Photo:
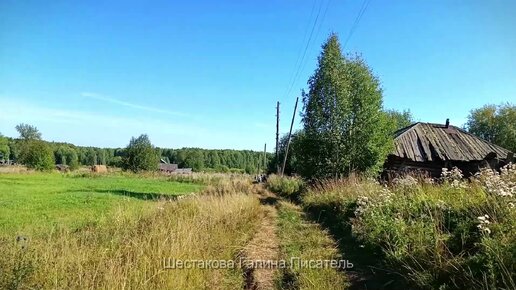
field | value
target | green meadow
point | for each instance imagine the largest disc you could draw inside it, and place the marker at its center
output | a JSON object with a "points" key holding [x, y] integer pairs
{"points": [[35, 203]]}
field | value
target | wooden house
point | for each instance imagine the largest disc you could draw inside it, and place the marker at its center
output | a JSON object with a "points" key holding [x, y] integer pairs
{"points": [[169, 168], [427, 148]]}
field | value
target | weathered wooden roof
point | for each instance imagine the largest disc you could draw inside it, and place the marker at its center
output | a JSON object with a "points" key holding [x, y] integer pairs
{"points": [[430, 142]]}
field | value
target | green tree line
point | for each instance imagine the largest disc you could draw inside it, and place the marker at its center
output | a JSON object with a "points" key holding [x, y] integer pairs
{"points": [[30, 148]]}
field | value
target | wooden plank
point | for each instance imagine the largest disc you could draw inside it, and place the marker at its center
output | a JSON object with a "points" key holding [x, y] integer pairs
{"points": [[430, 142], [424, 143]]}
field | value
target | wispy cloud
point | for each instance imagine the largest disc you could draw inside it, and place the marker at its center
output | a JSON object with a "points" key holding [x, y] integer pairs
{"points": [[89, 128], [92, 128], [111, 100]]}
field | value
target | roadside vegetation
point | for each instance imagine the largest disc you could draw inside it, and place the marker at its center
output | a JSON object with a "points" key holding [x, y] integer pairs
{"points": [[455, 234], [305, 240], [285, 186]]}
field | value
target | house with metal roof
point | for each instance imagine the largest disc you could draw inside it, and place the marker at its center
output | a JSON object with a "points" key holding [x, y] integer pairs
{"points": [[428, 148]]}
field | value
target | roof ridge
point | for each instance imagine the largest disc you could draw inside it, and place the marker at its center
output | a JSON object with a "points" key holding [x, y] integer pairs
{"points": [[403, 130]]}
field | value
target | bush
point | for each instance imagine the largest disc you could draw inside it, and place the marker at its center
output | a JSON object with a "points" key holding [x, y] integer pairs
{"points": [[290, 187], [140, 155], [37, 154], [115, 161]]}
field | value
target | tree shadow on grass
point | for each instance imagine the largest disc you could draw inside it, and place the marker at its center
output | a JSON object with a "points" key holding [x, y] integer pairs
{"points": [[139, 195], [367, 272], [268, 200], [134, 194]]}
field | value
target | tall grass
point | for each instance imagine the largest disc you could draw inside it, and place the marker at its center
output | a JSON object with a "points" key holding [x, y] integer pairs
{"points": [[453, 234], [127, 251], [302, 239], [289, 187]]}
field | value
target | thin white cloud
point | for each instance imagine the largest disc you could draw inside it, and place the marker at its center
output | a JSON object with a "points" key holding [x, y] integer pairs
{"points": [[111, 100], [88, 128]]}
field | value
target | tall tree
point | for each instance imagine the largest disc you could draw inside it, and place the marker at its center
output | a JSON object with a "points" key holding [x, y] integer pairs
{"points": [[399, 119], [28, 132], [90, 157], [345, 127], [5, 150], [66, 155], [496, 124], [140, 155]]}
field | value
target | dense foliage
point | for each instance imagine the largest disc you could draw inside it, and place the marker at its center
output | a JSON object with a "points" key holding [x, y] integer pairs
{"points": [[450, 234], [37, 154], [496, 124], [294, 165], [399, 120], [217, 160], [5, 150], [345, 127], [140, 155], [66, 155]]}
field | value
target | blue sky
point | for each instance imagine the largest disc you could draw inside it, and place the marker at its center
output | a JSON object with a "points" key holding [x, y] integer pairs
{"points": [[208, 73]]}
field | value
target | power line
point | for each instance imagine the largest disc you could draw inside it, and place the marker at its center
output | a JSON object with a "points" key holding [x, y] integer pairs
{"points": [[318, 29], [361, 12], [300, 64], [291, 79]]}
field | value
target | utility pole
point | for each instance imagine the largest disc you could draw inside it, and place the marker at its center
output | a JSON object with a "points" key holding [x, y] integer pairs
{"points": [[289, 136], [277, 138]]}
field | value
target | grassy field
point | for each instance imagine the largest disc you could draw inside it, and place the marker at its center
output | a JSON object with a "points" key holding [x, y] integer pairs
{"points": [[35, 203], [114, 231]]}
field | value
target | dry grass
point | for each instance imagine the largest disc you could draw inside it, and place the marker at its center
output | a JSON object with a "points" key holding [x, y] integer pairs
{"points": [[13, 169], [128, 251]]}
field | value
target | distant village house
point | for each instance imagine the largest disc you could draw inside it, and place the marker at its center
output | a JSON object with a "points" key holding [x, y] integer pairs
{"points": [[166, 167]]}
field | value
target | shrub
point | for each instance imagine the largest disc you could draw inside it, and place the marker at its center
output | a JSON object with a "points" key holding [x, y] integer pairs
{"points": [[37, 154], [290, 187]]}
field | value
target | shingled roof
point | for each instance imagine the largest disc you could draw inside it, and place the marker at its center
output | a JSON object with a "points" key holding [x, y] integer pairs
{"points": [[430, 142]]}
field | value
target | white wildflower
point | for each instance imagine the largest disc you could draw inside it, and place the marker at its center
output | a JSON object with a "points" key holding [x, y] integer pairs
{"points": [[483, 223], [454, 177], [406, 181], [451, 175], [362, 205], [501, 184]]}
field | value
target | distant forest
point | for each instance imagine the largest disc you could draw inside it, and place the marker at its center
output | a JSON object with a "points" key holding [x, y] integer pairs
{"points": [[196, 158]]}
